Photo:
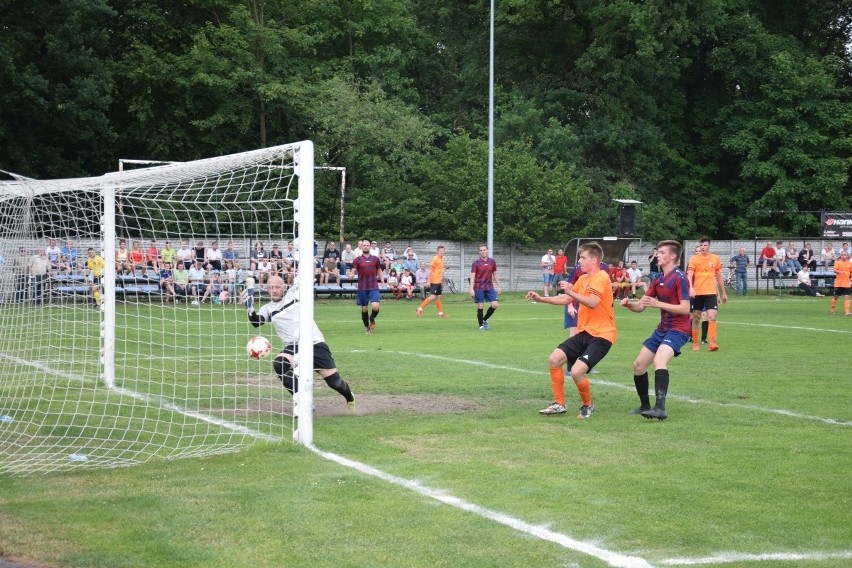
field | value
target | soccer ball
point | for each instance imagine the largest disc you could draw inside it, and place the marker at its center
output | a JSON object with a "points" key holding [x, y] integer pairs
{"points": [[258, 347]]}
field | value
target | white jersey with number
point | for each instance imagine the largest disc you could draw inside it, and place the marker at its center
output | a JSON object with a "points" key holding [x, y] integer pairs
{"points": [[284, 316]]}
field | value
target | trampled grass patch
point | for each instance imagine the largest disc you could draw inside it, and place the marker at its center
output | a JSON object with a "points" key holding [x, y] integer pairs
{"points": [[754, 459]]}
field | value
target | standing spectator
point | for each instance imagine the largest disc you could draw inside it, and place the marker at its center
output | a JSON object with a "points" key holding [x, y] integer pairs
{"points": [[828, 255], [230, 253], [653, 265], [54, 255], [484, 286], [670, 294], [283, 313], [215, 256], [347, 257], [806, 256], [406, 282], [168, 254], [167, 281], [230, 280], [547, 263], [792, 258], [634, 278], [122, 259], [199, 253], [38, 268], [436, 280], [842, 278], [388, 255], [183, 255], [421, 276], [152, 256], [804, 278], [69, 256], [95, 266], [595, 335], [20, 270], [739, 264], [559, 269], [369, 270], [704, 274], [137, 258], [767, 258]]}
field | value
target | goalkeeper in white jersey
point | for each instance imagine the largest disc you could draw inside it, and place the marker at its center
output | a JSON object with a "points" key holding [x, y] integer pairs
{"points": [[283, 312]]}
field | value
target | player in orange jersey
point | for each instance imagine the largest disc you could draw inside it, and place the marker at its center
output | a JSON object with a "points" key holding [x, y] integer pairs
{"points": [[595, 330], [704, 274], [436, 280], [842, 281]]}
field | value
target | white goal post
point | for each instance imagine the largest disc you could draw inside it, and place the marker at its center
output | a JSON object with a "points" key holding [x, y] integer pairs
{"points": [[130, 367]]}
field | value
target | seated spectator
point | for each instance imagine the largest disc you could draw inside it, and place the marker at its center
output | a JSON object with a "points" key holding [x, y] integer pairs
{"points": [[828, 255], [781, 258], [766, 259], [152, 256], [806, 256], [329, 269], [375, 250], [54, 256], [257, 254], [168, 254], [276, 257], [792, 258], [197, 283], [618, 278], [167, 281], [410, 261], [229, 282], [393, 284], [122, 259], [137, 259], [388, 255], [199, 253], [421, 276], [634, 278], [844, 248], [214, 286], [180, 282], [804, 278], [406, 282], [347, 258], [68, 258], [183, 255], [265, 269], [332, 252], [230, 253], [215, 256]]}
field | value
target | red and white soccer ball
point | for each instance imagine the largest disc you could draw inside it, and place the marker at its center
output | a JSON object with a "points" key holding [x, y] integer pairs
{"points": [[258, 347]]}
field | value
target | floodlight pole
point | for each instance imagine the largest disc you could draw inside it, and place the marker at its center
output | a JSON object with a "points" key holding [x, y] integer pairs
{"points": [[490, 222]]}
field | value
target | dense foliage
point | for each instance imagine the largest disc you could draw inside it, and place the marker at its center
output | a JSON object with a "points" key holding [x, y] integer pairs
{"points": [[717, 114]]}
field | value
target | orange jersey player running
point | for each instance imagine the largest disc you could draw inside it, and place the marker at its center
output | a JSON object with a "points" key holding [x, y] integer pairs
{"points": [[842, 281], [436, 280], [595, 335], [704, 275]]}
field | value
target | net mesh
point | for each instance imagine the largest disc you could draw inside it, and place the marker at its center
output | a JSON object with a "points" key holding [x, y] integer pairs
{"points": [[182, 384]]}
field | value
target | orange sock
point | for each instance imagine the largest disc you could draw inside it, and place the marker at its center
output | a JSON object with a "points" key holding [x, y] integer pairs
{"points": [[440, 305], [585, 390], [425, 303], [695, 336], [846, 305], [557, 383], [833, 304], [711, 331]]}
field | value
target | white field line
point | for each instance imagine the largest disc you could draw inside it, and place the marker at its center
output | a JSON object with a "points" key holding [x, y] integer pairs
{"points": [[731, 557], [611, 558], [780, 326], [779, 411]]}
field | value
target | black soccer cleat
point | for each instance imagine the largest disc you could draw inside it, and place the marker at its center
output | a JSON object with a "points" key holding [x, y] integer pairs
{"points": [[639, 410], [657, 413]]}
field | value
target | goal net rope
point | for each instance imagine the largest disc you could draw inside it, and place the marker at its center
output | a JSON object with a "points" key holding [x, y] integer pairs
{"points": [[112, 366]]}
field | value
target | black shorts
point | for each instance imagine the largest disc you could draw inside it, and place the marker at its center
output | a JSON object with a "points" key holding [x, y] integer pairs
{"points": [[842, 292], [323, 360], [705, 302], [587, 347], [436, 289]]}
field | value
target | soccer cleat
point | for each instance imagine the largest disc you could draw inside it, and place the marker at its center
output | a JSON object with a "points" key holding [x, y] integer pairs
{"points": [[350, 407], [657, 413], [486, 325], [712, 347], [586, 411], [703, 342], [482, 327], [639, 410], [420, 312], [442, 315], [696, 347], [367, 330], [554, 408]]}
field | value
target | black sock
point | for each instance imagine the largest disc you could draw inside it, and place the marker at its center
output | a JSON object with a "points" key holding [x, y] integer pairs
{"points": [[641, 382], [373, 315], [479, 315], [366, 319], [704, 326], [336, 382], [661, 387], [489, 313]]}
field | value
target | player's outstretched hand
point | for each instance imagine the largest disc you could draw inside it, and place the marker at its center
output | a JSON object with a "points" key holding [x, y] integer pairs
{"points": [[533, 296], [246, 299], [624, 301]]}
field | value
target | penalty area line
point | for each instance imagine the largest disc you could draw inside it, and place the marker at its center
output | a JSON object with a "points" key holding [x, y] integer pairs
{"points": [[731, 557], [608, 556]]}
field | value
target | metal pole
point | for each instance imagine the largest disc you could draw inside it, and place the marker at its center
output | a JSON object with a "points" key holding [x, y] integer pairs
{"points": [[491, 135], [342, 200]]}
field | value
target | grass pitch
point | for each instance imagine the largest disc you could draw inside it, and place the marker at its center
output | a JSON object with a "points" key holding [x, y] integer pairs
{"points": [[751, 469]]}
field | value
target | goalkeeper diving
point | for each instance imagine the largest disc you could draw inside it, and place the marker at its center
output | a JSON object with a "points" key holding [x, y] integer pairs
{"points": [[283, 312]]}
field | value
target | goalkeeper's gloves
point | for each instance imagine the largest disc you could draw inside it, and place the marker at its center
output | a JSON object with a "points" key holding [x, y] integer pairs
{"points": [[248, 300]]}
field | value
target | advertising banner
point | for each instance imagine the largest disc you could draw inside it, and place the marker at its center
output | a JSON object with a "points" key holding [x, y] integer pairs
{"points": [[837, 225]]}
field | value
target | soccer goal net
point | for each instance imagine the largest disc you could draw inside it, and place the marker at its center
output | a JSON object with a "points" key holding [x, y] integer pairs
{"points": [[116, 346]]}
